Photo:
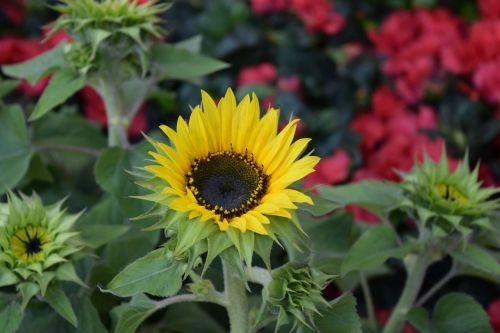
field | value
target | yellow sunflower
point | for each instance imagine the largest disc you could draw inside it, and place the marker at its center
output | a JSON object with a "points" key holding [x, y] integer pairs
{"points": [[230, 166]]}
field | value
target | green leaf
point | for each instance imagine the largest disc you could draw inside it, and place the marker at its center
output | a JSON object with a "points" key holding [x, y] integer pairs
{"points": [[372, 249], [98, 235], [27, 290], [478, 258], [10, 317], [6, 86], [419, 318], [66, 272], [341, 317], [459, 313], [154, 274], [36, 68], [321, 206], [191, 232], [178, 63], [62, 86], [88, 318], [7, 278], [192, 44], [128, 316], [375, 196], [15, 150], [60, 302]]}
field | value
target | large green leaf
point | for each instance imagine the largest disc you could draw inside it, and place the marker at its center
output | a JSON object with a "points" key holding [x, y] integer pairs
{"points": [[60, 302], [179, 63], [459, 313], [88, 318], [36, 68], [128, 316], [15, 150], [98, 235], [154, 274], [341, 317], [62, 86], [419, 318], [11, 315], [478, 258], [376, 196], [372, 249]]}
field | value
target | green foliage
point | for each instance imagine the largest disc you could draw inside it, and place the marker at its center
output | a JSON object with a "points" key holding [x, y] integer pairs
{"points": [[372, 249], [148, 275], [60, 302], [128, 316], [11, 315], [62, 86], [459, 313], [15, 150], [179, 63]]}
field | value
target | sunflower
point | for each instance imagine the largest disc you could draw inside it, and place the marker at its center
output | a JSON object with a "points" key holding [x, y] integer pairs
{"points": [[36, 244], [230, 167], [449, 200]]}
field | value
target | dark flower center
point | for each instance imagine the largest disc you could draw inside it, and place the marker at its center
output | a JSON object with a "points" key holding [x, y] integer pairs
{"points": [[228, 183], [33, 246]]}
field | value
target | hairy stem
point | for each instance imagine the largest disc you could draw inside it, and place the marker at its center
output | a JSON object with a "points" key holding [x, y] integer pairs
{"points": [[370, 309], [258, 275], [416, 268], [116, 113], [237, 308]]}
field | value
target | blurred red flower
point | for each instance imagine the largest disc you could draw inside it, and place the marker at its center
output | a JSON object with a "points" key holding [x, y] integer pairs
{"points": [[494, 313], [318, 16], [383, 316], [489, 8], [262, 73], [269, 6], [330, 170], [14, 10]]}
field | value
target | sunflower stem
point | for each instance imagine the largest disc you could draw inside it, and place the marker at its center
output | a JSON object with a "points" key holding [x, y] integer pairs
{"points": [[116, 112], [416, 267], [237, 308]]}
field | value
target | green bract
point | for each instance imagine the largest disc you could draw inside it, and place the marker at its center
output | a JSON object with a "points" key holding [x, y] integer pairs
{"points": [[36, 245], [296, 290], [126, 26], [448, 200]]}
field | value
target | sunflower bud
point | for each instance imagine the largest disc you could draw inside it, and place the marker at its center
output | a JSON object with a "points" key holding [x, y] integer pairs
{"points": [[449, 201], [296, 290], [36, 244], [115, 30]]}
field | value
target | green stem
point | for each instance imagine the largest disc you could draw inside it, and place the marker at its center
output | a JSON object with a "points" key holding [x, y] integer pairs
{"points": [[416, 268], [237, 308], [369, 302], [116, 113]]}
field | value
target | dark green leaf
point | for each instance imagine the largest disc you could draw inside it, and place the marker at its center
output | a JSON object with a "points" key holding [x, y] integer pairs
{"points": [[372, 249], [60, 302], [478, 258], [459, 313], [179, 318], [128, 316], [62, 86], [178, 63], [10, 317], [154, 274], [38, 67], [98, 235], [419, 318], [15, 150], [375, 196]]}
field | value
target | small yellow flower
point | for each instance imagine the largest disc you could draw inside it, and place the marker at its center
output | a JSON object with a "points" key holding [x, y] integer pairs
{"points": [[30, 244], [229, 166]]}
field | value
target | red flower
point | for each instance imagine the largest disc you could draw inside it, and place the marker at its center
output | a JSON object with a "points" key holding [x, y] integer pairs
{"points": [[386, 104], [494, 313], [371, 129], [489, 8], [290, 84], [487, 81], [14, 10], [269, 6], [413, 41], [94, 110], [362, 215], [383, 316], [318, 16], [330, 170], [259, 74]]}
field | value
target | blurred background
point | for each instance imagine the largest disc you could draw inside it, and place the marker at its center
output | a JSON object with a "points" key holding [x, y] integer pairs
{"points": [[375, 83]]}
